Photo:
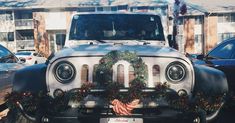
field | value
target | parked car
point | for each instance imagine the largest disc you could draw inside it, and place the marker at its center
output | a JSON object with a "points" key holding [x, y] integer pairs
{"points": [[31, 57], [8, 65], [222, 57], [117, 67], [192, 57]]}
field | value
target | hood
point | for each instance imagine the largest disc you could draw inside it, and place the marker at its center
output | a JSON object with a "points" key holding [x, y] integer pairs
{"points": [[102, 49]]}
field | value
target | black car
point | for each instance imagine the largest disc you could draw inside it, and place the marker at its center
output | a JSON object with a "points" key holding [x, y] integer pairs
{"points": [[222, 57], [9, 63]]}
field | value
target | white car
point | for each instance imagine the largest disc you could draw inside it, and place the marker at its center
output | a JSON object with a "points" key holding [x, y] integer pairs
{"points": [[31, 57]]}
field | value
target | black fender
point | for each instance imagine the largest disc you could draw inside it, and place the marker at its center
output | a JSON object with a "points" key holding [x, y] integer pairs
{"points": [[209, 81], [30, 79]]}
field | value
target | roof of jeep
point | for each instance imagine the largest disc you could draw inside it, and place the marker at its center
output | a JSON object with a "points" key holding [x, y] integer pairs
{"points": [[119, 12]]}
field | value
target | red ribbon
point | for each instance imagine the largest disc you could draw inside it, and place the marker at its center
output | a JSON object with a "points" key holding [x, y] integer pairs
{"points": [[122, 108]]}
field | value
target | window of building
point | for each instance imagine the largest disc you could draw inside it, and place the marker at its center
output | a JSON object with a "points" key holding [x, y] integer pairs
{"points": [[10, 36], [164, 11], [107, 9], [120, 73], [198, 43], [180, 42], [84, 73], [6, 15], [99, 9], [224, 36], [23, 15], [3, 36], [225, 18], [114, 8], [180, 21], [122, 7], [24, 35], [86, 9], [233, 17], [6, 36], [198, 20]]}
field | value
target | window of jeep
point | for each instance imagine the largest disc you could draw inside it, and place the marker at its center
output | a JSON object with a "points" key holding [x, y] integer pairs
{"points": [[116, 27]]}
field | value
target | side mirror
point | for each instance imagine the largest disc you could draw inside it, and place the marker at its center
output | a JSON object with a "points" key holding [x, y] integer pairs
{"points": [[22, 60], [200, 57]]}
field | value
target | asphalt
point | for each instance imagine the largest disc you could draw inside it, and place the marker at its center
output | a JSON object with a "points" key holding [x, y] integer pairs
{"points": [[227, 115]]}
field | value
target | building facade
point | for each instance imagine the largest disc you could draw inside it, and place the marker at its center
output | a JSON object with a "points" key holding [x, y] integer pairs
{"points": [[42, 25]]}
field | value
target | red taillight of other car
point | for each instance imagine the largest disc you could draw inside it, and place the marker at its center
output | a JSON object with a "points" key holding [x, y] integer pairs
{"points": [[28, 58]]}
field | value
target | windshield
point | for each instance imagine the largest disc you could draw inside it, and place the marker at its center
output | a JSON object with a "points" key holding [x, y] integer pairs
{"points": [[4, 52], [116, 27]]}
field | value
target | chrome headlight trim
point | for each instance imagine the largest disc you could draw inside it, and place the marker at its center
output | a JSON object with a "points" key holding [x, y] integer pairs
{"points": [[64, 72], [176, 72]]}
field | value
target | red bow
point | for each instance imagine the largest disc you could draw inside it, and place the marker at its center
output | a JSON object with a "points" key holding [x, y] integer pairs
{"points": [[122, 108]]}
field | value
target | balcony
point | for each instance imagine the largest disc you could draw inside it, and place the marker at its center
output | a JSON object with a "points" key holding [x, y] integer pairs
{"points": [[21, 24], [24, 44]]}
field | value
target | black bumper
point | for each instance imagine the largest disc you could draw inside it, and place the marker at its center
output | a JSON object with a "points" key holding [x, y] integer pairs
{"points": [[162, 115]]}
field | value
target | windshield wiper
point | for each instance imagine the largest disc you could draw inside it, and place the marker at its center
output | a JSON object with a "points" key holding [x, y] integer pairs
{"points": [[212, 57], [100, 41]]}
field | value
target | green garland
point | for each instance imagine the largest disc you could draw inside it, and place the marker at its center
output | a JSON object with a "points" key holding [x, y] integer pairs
{"points": [[33, 102]]}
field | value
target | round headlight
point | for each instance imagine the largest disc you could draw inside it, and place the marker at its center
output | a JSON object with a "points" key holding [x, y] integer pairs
{"points": [[64, 72], [175, 72]]}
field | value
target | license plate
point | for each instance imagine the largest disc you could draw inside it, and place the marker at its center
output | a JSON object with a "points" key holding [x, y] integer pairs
{"points": [[121, 120]]}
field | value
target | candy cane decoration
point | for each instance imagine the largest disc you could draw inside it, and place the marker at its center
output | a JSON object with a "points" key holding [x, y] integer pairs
{"points": [[124, 109]]}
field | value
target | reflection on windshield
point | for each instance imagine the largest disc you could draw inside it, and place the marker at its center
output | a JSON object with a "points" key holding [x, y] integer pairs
{"points": [[116, 27]]}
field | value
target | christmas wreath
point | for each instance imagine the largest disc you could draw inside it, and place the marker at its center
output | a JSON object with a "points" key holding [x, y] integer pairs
{"points": [[104, 70]]}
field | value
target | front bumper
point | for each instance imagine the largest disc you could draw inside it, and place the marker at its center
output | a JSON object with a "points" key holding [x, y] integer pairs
{"points": [[159, 115]]}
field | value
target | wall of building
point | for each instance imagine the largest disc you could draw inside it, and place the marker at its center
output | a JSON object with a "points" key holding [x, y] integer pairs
{"points": [[47, 25], [189, 35], [7, 28], [211, 36]]}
